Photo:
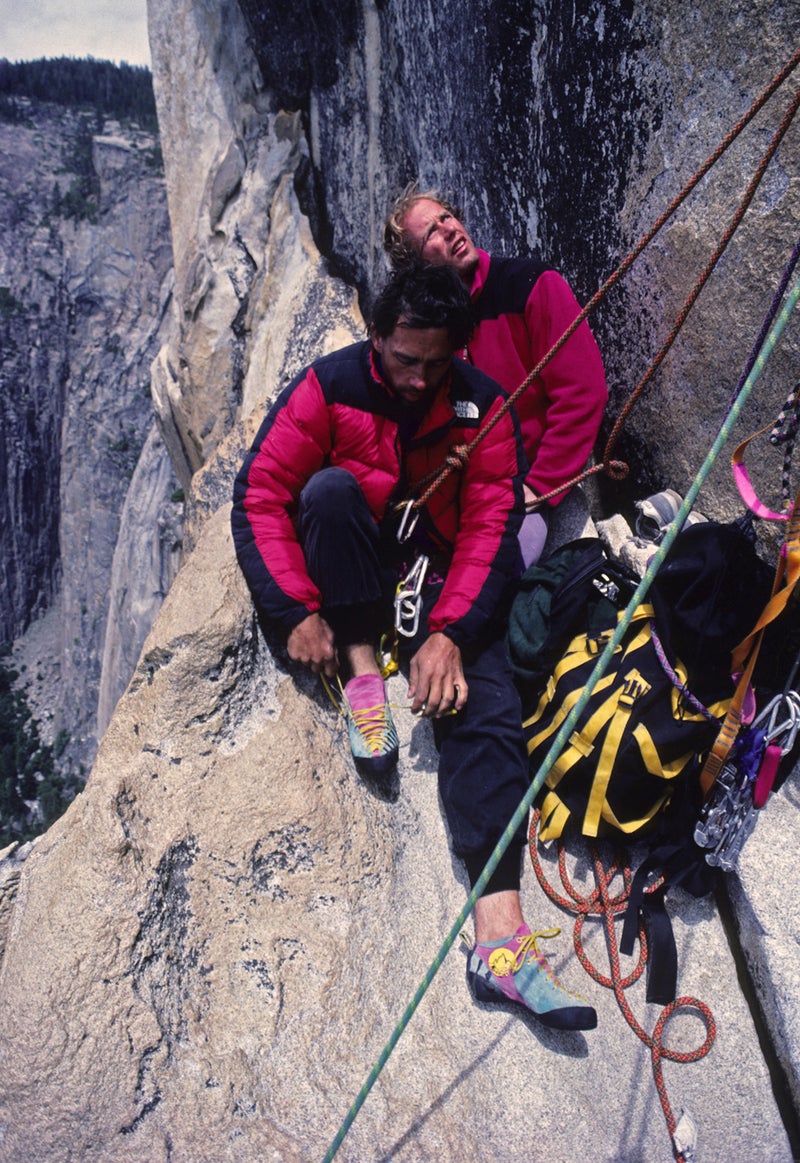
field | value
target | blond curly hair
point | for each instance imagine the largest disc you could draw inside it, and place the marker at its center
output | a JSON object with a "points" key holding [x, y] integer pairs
{"points": [[396, 242]]}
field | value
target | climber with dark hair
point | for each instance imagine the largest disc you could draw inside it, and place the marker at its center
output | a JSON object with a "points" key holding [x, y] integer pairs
{"points": [[521, 309], [315, 520]]}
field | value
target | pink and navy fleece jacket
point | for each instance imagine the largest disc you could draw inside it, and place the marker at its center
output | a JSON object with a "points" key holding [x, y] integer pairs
{"points": [[340, 412], [522, 309]]}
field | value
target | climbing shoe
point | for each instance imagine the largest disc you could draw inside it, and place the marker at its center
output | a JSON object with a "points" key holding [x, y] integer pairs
{"points": [[514, 970], [373, 738]]}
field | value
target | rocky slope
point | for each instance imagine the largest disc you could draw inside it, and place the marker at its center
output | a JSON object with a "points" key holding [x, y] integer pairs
{"points": [[85, 270]]}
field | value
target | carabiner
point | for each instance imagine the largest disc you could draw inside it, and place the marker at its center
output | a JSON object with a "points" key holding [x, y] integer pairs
{"points": [[408, 598], [779, 730], [405, 529]]}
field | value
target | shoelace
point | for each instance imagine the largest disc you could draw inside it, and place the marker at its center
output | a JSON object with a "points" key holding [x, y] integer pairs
{"points": [[372, 722], [528, 948], [341, 705]]}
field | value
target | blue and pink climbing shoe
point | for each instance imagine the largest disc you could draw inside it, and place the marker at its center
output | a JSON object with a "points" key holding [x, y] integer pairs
{"points": [[373, 738], [514, 970]]}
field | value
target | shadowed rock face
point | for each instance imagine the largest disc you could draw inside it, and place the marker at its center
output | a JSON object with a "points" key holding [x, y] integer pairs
{"points": [[206, 955], [569, 132], [86, 288]]}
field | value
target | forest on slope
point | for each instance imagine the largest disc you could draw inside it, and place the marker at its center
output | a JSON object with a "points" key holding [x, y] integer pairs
{"points": [[124, 92]]}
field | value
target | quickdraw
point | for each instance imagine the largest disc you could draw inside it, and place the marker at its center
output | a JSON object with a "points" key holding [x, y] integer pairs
{"points": [[742, 788]]}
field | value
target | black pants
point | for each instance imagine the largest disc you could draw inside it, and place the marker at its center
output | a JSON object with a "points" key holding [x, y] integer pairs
{"points": [[483, 767]]}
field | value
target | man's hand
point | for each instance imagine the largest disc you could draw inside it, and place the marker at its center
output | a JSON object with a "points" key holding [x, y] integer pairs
{"points": [[311, 642], [436, 678]]}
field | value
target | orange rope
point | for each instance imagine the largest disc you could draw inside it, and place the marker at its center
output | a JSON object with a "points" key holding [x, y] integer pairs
{"points": [[601, 903]]}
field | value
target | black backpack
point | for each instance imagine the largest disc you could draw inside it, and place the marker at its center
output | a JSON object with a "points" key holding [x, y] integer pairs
{"points": [[631, 766], [659, 705]]}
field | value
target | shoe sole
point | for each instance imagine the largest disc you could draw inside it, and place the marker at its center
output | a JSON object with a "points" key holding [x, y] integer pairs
{"points": [[566, 1018], [376, 765]]}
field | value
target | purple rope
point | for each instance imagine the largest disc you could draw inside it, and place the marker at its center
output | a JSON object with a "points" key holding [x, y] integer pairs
{"points": [[666, 666]]}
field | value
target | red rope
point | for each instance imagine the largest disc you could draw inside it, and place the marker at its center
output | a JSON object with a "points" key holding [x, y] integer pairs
{"points": [[706, 272], [603, 904]]}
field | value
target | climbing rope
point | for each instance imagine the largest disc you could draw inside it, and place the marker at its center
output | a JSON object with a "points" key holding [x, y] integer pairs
{"points": [[521, 814], [784, 432], [699, 284], [602, 904], [459, 454]]}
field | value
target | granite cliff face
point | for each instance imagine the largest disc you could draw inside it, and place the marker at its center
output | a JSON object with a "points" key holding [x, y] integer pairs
{"points": [[204, 957], [86, 277], [569, 129], [564, 131]]}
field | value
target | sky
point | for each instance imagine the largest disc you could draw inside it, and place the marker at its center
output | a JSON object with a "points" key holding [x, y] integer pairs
{"points": [[112, 30]]}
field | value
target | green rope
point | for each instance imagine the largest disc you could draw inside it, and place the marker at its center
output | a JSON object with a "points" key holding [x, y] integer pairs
{"points": [[521, 814]]}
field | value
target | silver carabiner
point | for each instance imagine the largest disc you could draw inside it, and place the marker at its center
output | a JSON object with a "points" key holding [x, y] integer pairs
{"points": [[787, 705], [408, 522], [408, 598]]}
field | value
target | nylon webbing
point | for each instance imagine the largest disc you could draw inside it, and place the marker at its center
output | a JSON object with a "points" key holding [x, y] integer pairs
{"points": [[521, 814]]}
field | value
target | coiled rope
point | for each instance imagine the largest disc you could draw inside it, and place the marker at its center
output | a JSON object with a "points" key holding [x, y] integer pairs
{"points": [[521, 814], [613, 468], [601, 903]]}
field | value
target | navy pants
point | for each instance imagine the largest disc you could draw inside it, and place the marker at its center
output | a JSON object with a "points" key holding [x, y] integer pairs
{"points": [[483, 766]]}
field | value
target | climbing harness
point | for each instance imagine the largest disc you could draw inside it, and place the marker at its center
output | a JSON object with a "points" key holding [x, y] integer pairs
{"points": [[682, 1139], [608, 906]]}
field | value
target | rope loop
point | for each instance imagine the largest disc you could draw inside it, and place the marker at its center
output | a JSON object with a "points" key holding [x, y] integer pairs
{"points": [[458, 456], [617, 470], [607, 906], [659, 1051]]}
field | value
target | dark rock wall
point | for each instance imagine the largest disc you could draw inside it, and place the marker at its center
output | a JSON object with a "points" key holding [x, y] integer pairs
{"points": [[532, 114], [33, 372]]}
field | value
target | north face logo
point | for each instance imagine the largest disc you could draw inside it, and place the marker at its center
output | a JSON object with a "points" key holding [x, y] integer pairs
{"points": [[466, 410]]}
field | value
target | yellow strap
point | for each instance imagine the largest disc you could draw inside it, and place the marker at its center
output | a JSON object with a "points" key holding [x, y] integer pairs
{"points": [[653, 763], [581, 743], [555, 814], [614, 712], [631, 826], [605, 765], [745, 655]]}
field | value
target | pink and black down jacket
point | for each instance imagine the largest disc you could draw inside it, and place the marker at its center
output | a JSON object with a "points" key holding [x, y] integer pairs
{"points": [[522, 309], [339, 412]]}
